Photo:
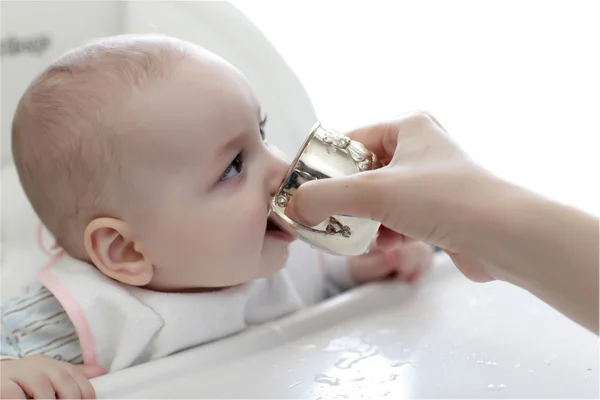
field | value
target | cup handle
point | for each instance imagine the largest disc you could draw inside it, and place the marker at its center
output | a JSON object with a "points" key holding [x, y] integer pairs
{"points": [[334, 226]]}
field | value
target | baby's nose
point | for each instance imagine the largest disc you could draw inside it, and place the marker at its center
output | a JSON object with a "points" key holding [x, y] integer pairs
{"points": [[278, 167]]}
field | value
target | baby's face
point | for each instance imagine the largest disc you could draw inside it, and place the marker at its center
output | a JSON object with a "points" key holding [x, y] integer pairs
{"points": [[203, 176]]}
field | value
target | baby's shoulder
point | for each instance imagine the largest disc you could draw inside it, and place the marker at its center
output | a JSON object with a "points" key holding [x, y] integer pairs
{"points": [[32, 299], [34, 322]]}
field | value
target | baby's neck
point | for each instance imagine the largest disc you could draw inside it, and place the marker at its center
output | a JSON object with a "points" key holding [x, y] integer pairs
{"points": [[184, 290]]}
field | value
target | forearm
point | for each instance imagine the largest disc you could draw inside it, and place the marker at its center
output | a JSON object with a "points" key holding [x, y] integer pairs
{"points": [[544, 247]]}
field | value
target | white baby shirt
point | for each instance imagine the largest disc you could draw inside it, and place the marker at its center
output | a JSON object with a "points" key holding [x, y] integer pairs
{"points": [[77, 314]]}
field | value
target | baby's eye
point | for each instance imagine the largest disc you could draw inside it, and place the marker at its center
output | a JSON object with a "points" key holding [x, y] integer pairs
{"points": [[234, 169], [261, 126]]}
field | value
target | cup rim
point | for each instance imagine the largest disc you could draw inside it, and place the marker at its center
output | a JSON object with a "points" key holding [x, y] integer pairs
{"points": [[293, 164]]}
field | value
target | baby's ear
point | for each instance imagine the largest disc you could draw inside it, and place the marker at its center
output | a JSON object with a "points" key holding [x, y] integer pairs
{"points": [[110, 246]]}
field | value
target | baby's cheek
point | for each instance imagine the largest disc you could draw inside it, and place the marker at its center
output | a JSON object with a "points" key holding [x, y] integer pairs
{"points": [[245, 227], [180, 236], [251, 229]]}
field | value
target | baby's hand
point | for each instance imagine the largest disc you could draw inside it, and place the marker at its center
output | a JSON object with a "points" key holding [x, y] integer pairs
{"points": [[407, 261], [42, 377]]}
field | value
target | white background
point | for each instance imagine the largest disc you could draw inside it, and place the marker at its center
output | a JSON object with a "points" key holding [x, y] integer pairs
{"points": [[517, 83]]}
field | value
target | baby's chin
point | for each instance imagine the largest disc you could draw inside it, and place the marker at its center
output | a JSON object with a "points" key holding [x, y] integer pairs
{"points": [[274, 260]]}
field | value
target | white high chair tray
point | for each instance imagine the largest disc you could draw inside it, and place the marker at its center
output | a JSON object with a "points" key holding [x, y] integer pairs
{"points": [[447, 337]]}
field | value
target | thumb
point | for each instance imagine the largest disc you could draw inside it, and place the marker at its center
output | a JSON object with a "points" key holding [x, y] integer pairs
{"points": [[356, 195], [91, 371]]}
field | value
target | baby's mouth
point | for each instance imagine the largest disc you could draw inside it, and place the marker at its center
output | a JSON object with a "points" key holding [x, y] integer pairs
{"points": [[271, 226], [279, 230]]}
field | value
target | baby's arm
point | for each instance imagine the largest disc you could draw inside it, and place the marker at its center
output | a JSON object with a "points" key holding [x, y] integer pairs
{"points": [[338, 274], [406, 261], [40, 350], [35, 323]]}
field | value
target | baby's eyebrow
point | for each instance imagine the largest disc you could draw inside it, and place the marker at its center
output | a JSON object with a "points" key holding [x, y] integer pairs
{"points": [[231, 145]]}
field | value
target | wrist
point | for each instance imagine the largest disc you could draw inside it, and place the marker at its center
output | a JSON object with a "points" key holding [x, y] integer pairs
{"points": [[499, 230], [338, 270], [471, 210], [547, 248], [513, 228], [500, 224]]}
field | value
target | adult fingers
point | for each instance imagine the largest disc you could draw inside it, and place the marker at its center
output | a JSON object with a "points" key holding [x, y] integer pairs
{"points": [[356, 195], [382, 138]]}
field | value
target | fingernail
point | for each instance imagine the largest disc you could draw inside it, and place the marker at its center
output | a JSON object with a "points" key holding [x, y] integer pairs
{"points": [[290, 212]]}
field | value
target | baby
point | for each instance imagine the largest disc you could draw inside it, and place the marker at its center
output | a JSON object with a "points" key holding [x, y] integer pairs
{"points": [[146, 158]]}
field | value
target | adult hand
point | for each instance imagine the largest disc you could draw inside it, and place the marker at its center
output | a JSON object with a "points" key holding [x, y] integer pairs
{"points": [[424, 192], [430, 190]]}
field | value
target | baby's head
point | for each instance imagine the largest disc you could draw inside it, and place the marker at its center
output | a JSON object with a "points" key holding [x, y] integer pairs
{"points": [[145, 156]]}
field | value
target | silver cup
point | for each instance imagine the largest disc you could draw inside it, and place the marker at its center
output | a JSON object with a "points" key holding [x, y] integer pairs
{"points": [[327, 154]]}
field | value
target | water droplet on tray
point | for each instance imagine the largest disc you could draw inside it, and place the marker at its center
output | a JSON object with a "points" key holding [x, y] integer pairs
{"points": [[398, 363], [329, 380], [294, 384], [348, 362]]}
